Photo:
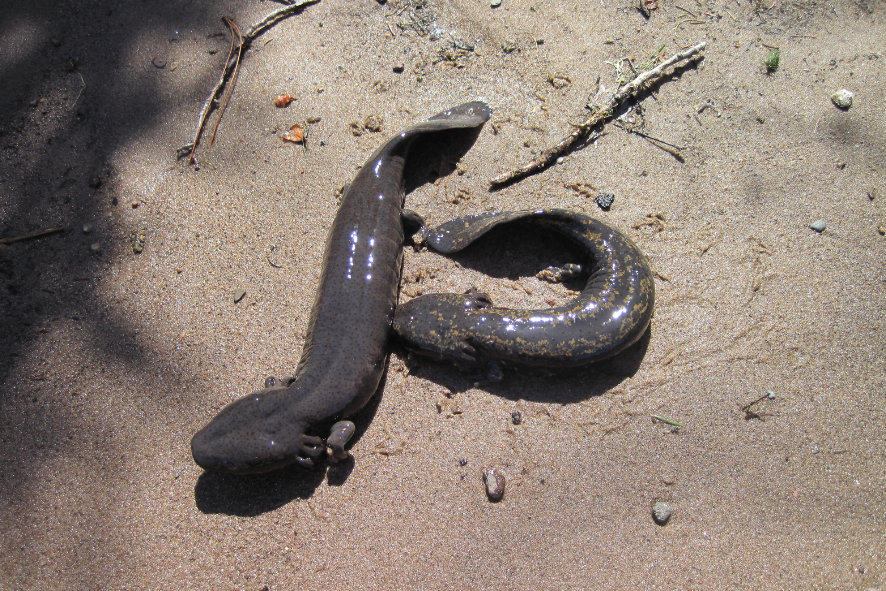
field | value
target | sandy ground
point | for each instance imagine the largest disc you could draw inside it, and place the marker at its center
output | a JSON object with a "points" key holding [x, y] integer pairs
{"points": [[111, 360]]}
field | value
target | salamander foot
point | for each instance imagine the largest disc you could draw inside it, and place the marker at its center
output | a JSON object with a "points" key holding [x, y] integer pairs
{"points": [[339, 434]]}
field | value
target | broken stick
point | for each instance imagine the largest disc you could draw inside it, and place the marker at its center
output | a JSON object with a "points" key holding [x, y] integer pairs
{"points": [[599, 113], [231, 66], [39, 234]]}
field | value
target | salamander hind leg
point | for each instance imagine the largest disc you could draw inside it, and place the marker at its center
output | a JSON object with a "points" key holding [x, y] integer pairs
{"points": [[339, 434]]}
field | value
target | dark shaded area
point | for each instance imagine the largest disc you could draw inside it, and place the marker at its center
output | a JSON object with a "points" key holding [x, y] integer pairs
{"points": [[437, 155], [522, 249], [71, 99]]}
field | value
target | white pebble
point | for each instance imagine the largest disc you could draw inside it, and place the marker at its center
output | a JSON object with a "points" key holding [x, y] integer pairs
{"points": [[842, 98]]}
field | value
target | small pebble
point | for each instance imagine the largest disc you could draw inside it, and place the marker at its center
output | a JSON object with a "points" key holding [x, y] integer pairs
{"points": [[95, 247], [559, 159], [881, 230], [495, 484], [842, 98], [238, 294], [770, 394], [495, 3], [462, 462], [87, 228], [818, 225], [399, 67], [135, 203], [605, 200], [159, 63], [516, 417], [661, 513]]}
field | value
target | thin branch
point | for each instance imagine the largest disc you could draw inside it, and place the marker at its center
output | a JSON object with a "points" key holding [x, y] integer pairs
{"points": [[231, 65], [39, 234], [599, 113], [235, 34]]}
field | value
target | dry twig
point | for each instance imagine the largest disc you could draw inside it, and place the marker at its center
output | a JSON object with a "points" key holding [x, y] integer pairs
{"points": [[39, 234], [231, 67], [599, 113], [235, 34]]}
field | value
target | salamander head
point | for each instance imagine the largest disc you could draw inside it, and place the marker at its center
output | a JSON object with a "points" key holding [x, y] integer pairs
{"points": [[258, 433]]}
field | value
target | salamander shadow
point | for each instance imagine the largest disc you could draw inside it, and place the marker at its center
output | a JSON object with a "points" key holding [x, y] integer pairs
{"points": [[510, 252], [562, 386]]}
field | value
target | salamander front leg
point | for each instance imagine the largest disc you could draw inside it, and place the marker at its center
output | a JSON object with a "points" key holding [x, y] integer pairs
{"points": [[339, 434], [310, 446]]}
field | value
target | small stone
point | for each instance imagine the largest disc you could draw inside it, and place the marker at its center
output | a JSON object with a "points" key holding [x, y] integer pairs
{"points": [[399, 67], [95, 182], [818, 225], [881, 230], [95, 247], [516, 417], [495, 3], [841, 165], [135, 203], [495, 484], [661, 513], [239, 293], [559, 159], [137, 239], [842, 98], [159, 63], [87, 228], [770, 394], [605, 200]]}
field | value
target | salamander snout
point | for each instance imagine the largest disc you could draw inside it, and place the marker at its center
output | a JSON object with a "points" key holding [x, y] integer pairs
{"points": [[255, 434]]}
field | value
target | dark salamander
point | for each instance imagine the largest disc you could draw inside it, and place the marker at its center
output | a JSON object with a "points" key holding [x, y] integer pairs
{"points": [[611, 313], [348, 333]]}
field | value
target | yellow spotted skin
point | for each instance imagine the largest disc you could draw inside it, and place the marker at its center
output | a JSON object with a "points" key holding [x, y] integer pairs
{"points": [[611, 313]]}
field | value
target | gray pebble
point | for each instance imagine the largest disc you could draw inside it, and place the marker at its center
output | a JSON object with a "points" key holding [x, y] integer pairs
{"points": [[495, 3], [159, 63], [661, 513], [516, 417], [495, 484], [842, 98], [605, 200], [818, 225], [238, 294], [87, 228], [95, 247]]}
